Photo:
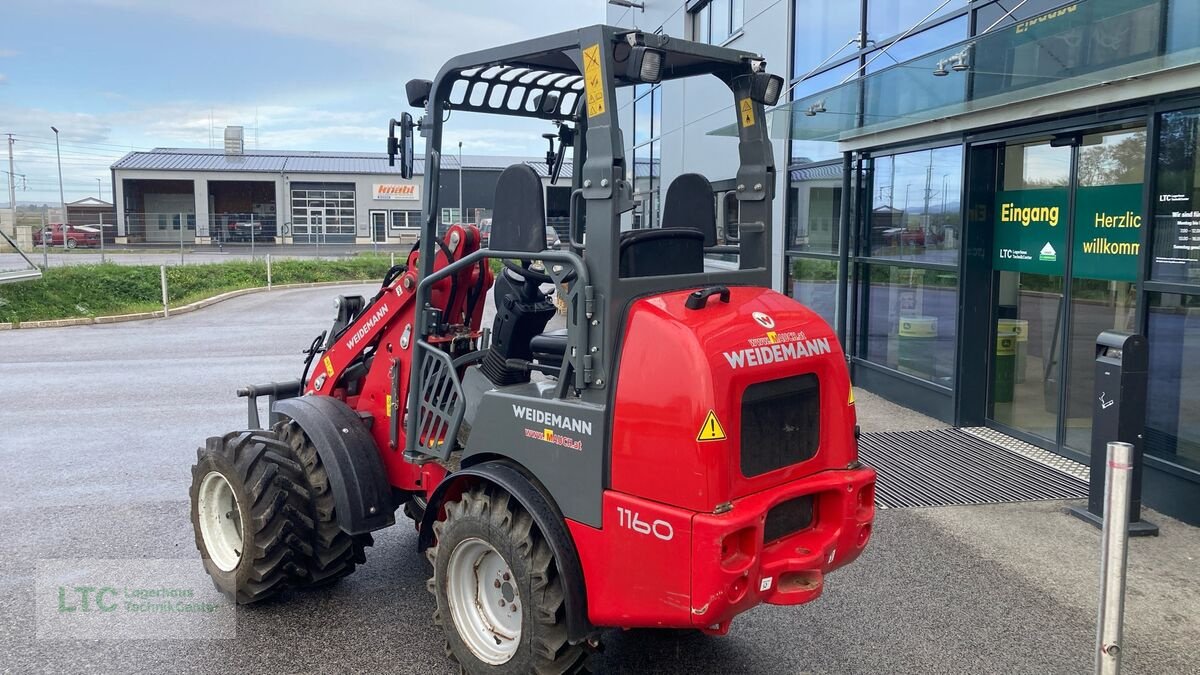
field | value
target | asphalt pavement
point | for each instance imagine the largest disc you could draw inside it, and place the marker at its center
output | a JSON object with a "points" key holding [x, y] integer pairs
{"points": [[100, 426]]}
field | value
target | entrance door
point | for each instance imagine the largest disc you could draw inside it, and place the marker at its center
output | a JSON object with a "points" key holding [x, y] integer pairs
{"points": [[379, 226], [1065, 253], [316, 226]]}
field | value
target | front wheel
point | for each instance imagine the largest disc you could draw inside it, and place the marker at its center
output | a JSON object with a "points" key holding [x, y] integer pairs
{"points": [[498, 589], [71, 243], [248, 502]]}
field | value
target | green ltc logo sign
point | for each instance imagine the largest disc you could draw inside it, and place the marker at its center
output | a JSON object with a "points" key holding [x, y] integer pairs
{"points": [[1031, 232]]}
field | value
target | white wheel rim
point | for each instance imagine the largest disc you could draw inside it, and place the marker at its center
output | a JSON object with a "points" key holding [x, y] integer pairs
{"points": [[484, 602], [220, 521]]}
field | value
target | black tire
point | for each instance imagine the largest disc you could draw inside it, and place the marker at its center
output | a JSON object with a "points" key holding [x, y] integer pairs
{"points": [[271, 500], [334, 554], [71, 243], [492, 516]]}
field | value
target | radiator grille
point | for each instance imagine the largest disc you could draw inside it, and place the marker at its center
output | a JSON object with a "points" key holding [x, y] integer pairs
{"points": [[788, 518], [781, 423]]}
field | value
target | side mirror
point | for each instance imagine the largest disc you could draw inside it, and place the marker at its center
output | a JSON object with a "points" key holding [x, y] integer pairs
{"points": [[402, 146], [417, 92]]}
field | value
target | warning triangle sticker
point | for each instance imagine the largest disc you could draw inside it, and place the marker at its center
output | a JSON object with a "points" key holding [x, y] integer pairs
{"points": [[711, 430]]}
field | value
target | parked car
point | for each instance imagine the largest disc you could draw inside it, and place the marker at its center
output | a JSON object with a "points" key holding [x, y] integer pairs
{"points": [[240, 230], [485, 235], [77, 235]]}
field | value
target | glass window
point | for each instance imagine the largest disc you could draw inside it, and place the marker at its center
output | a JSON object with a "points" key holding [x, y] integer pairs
{"points": [[814, 208], [720, 21], [916, 210], [806, 151], [1183, 25], [889, 18], [737, 15], [656, 113], [918, 44], [1036, 165], [1009, 13], [643, 113], [813, 283], [1176, 234], [703, 17], [1174, 385], [910, 317], [823, 28]]}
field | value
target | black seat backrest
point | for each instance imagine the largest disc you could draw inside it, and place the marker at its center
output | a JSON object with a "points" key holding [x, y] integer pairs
{"points": [[519, 212], [689, 205], [689, 224], [659, 251]]}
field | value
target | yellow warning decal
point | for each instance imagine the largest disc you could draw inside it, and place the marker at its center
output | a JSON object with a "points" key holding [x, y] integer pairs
{"points": [[593, 80], [328, 367], [851, 399], [746, 106], [387, 404], [772, 336], [711, 430]]}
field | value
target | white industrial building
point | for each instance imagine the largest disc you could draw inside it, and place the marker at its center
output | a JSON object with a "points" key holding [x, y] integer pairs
{"points": [[205, 196]]}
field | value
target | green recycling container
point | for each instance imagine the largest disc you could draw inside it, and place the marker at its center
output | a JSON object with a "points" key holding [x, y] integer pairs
{"points": [[915, 343], [1006, 361], [1021, 328]]}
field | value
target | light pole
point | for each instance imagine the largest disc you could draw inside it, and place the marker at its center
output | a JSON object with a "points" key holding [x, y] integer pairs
{"points": [[462, 217], [61, 198], [99, 190]]}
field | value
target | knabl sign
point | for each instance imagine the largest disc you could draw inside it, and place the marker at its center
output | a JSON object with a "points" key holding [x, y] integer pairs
{"points": [[396, 192]]}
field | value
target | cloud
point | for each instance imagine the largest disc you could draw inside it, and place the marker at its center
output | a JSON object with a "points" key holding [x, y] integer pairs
{"points": [[8, 53], [425, 31], [3, 78]]}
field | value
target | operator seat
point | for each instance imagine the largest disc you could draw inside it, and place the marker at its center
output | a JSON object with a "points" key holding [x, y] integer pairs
{"points": [[522, 310], [689, 224]]}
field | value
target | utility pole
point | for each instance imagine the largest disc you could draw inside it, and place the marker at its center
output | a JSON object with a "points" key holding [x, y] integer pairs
{"points": [[61, 197], [462, 216], [12, 186], [99, 190]]}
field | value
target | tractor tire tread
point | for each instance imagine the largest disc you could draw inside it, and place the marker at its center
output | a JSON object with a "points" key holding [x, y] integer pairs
{"points": [[552, 653]]}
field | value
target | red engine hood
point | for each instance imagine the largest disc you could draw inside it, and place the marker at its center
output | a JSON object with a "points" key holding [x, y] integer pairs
{"points": [[678, 365]]}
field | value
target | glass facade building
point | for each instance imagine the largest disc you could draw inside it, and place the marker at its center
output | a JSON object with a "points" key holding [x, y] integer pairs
{"points": [[975, 190], [969, 192]]}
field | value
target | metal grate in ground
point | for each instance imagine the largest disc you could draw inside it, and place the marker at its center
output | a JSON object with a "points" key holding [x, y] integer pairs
{"points": [[945, 467]]}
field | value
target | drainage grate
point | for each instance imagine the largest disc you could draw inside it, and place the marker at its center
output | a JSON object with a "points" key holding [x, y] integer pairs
{"points": [[944, 467]]}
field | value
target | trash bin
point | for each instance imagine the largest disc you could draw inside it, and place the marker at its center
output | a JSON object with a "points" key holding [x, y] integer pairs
{"points": [[1006, 357], [1021, 328], [915, 342]]}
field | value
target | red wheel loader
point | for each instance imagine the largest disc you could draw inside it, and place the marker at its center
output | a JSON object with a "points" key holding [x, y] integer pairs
{"points": [[682, 452]]}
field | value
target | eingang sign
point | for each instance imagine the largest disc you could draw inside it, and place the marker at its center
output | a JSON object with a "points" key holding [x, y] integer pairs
{"points": [[396, 192], [1031, 231]]}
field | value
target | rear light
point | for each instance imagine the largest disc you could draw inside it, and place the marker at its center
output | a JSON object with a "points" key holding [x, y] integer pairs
{"points": [[864, 534], [737, 549], [866, 498]]}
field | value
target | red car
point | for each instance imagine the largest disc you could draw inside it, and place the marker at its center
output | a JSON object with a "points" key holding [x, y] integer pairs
{"points": [[77, 235]]}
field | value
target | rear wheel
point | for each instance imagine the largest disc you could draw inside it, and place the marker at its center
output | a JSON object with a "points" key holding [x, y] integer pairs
{"points": [[334, 553], [498, 590], [248, 502]]}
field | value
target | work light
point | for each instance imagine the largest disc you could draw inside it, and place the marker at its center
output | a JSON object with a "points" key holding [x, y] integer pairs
{"points": [[765, 88], [644, 65]]}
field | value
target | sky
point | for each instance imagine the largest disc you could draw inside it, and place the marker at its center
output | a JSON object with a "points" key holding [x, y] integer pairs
{"points": [[121, 75]]}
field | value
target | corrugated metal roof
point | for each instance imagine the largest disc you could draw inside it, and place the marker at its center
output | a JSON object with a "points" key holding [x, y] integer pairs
{"points": [[292, 161]]}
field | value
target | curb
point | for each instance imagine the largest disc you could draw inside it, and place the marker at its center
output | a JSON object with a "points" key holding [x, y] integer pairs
{"points": [[185, 309]]}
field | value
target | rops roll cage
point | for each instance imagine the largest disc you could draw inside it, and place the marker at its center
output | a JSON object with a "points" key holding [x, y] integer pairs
{"points": [[572, 77]]}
